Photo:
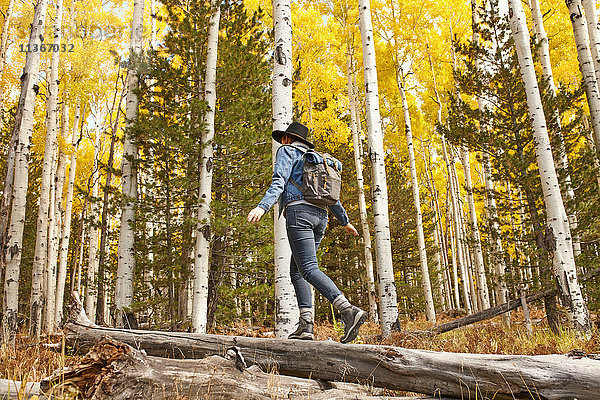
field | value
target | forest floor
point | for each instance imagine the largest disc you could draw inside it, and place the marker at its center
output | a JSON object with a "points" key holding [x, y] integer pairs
{"points": [[31, 361]]}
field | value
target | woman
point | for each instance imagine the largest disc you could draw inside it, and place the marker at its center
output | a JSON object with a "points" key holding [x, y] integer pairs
{"points": [[305, 225]]}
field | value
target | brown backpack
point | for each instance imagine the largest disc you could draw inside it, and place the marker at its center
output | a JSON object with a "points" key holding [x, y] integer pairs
{"points": [[321, 178]]}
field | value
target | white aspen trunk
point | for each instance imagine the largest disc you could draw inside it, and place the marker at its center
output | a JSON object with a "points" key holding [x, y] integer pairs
{"points": [[54, 242], [440, 257], [523, 232], [49, 273], [458, 251], [362, 204], [4, 41], [286, 307], [42, 240], [39, 271], [22, 131], [80, 259], [591, 19], [153, 42], [126, 247], [586, 65], [558, 224], [203, 234], [91, 290], [451, 227], [442, 253], [383, 250], [462, 240], [7, 194], [52, 131], [482, 288], [438, 260], [429, 306], [516, 233], [65, 234], [544, 54], [496, 255]]}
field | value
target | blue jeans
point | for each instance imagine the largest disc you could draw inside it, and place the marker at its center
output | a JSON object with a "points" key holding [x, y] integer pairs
{"points": [[305, 228]]}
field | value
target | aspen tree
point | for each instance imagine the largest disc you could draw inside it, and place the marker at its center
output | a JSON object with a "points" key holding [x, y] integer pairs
{"points": [[591, 19], [458, 249], [203, 235], [429, 306], [558, 225], [126, 247], [497, 253], [440, 236], [462, 242], [22, 132], [563, 161], [482, 287], [10, 156], [362, 205], [54, 232], [586, 65], [66, 229], [450, 230], [383, 251], [4, 41], [42, 239], [102, 297], [286, 309], [91, 288]]}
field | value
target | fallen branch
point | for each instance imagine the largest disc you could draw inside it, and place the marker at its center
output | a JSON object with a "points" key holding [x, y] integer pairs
{"points": [[454, 375], [501, 309], [488, 313]]}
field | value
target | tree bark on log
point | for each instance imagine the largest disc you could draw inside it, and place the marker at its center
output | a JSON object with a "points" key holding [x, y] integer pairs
{"points": [[10, 389], [116, 371], [431, 373]]}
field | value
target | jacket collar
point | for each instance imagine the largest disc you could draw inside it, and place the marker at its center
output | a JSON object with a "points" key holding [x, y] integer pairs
{"points": [[298, 143]]}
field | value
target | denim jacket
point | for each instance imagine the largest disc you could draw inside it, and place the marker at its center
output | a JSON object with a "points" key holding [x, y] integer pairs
{"points": [[289, 164]]}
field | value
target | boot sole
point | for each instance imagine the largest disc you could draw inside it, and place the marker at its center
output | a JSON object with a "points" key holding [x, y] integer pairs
{"points": [[303, 336], [359, 319]]}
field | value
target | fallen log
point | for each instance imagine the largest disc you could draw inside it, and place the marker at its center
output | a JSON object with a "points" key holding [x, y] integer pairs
{"points": [[10, 389], [500, 309], [454, 375], [116, 371]]}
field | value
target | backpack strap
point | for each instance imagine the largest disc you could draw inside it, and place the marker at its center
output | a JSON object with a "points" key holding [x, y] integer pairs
{"points": [[303, 151]]}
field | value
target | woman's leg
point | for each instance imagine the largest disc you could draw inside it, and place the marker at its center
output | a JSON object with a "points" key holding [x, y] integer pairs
{"points": [[305, 227]]}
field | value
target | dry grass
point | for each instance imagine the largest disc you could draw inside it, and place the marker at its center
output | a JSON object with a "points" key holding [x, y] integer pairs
{"points": [[29, 361], [487, 337]]}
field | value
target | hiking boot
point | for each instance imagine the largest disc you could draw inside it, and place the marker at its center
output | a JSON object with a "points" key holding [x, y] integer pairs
{"points": [[353, 318], [304, 331]]}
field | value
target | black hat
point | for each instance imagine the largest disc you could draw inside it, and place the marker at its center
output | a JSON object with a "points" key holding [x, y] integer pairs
{"points": [[297, 130]]}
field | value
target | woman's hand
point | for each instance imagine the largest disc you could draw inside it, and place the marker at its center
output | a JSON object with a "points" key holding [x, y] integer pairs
{"points": [[255, 214], [351, 229]]}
